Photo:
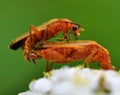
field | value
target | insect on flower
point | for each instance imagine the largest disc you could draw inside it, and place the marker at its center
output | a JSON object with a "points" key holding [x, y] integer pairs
{"points": [[44, 32], [64, 52]]}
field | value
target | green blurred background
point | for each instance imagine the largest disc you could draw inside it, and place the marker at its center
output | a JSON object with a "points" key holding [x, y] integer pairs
{"points": [[100, 18]]}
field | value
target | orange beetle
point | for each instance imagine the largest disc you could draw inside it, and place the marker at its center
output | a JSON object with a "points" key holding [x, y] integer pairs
{"points": [[44, 32], [64, 52]]}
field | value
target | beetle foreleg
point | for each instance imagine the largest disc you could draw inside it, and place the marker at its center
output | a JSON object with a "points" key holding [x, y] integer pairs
{"points": [[66, 36], [60, 39]]}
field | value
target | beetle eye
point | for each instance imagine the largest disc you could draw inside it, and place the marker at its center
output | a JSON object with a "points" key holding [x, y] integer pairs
{"points": [[75, 27]]}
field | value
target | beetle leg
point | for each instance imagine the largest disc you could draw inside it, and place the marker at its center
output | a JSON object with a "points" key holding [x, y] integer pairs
{"points": [[31, 34], [88, 59], [60, 39], [34, 29], [76, 38], [28, 49], [40, 36], [66, 36], [65, 32], [34, 32], [29, 44], [33, 61], [47, 66], [50, 66]]}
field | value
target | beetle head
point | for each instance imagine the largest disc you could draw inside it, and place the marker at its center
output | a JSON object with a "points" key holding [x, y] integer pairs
{"points": [[75, 28]]}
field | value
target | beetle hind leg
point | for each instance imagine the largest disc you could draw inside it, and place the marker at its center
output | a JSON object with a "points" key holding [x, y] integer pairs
{"points": [[48, 66], [88, 59]]}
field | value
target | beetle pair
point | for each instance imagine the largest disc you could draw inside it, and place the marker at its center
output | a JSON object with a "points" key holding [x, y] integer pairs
{"points": [[34, 45]]}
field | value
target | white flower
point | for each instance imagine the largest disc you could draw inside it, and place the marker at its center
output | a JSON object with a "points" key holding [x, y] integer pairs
{"points": [[113, 82], [76, 81], [62, 74], [42, 85], [30, 93]]}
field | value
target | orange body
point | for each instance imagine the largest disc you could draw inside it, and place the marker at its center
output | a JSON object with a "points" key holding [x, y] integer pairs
{"points": [[63, 52], [43, 33]]}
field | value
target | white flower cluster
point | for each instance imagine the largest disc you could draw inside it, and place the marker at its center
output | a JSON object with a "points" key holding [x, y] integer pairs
{"points": [[76, 81]]}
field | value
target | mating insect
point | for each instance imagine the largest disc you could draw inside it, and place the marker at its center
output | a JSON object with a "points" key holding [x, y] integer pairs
{"points": [[43, 33], [64, 52]]}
